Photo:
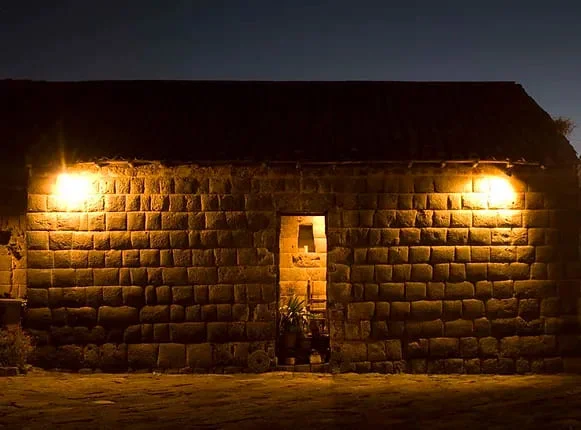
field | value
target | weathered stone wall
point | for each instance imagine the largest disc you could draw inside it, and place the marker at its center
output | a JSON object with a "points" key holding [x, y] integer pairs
{"points": [[12, 257], [176, 267]]}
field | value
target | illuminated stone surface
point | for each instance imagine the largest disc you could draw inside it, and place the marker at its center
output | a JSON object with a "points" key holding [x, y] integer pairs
{"points": [[187, 259]]}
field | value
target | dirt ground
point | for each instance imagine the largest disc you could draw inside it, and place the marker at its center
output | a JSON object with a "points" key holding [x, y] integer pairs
{"points": [[279, 400]]}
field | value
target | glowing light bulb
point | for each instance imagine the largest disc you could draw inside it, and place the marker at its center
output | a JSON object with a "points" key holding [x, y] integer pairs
{"points": [[500, 193], [73, 190]]}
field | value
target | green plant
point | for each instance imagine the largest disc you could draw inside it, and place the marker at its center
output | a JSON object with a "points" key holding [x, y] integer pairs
{"points": [[294, 316], [15, 346]]}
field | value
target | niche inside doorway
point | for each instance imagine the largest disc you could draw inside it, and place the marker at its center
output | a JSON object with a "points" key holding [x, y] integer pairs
{"points": [[303, 275]]}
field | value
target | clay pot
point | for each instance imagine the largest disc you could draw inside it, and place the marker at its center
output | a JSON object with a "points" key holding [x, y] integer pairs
{"points": [[315, 358], [289, 340]]}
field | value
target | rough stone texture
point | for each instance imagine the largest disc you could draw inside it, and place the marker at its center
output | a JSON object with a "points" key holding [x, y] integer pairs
{"points": [[165, 266], [13, 245]]}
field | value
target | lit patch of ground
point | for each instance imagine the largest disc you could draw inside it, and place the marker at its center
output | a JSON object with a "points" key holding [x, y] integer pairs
{"points": [[289, 401]]}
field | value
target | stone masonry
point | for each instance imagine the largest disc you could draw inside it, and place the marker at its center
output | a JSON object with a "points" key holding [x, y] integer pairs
{"points": [[12, 257], [177, 267]]}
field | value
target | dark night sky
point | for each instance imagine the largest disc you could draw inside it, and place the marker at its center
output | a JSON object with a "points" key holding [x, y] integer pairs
{"points": [[536, 43]]}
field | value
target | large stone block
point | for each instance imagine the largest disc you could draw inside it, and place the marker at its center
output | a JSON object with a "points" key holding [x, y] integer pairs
{"points": [[245, 274], [114, 317], [424, 218], [39, 278], [112, 296], [171, 356], [183, 295], [154, 314], [468, 347], [453, 184], [360, 311], [224, 256], [404, 236], [459, 290], [501, 308], [457, 272], [113, 357], [498, 271], [177, 313], [434, 236], [257, 331], [484, 218], [457, 236], [472, 308], [221, 293], [535, 289], [339, 292], [441, 272], [401, 272], [376, 351], [84, 316], [116, 221], [537, 345], [391, 291], [399, 310], [105, 277], [38, 318], [458, 328], [550, 306], [383, 273], [426, 310], [354, 352], [421, 272], [502, 254], [201, 275], [509, 347], [502, 327], [362, 273], [474, 201], [132, 334], [419, 254], [37, 297], [435, 290], [529, 309], [40, 259], [133, 296], [441, 218], [415, 290], [142, 356], [200, 356], [444, 347], [479, 236], [452, 309], [437, 201], [193, 313], [442, 254]]}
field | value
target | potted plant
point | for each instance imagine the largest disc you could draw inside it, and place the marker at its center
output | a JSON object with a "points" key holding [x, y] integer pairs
{"points": [[294, 320]]}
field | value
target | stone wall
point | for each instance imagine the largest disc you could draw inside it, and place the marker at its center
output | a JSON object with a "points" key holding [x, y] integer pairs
{"points": [[12, 257], [427, 271]]}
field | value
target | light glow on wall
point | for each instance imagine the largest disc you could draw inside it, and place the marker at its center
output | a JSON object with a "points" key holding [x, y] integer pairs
{"points": [[74, 190], [500, 192]]}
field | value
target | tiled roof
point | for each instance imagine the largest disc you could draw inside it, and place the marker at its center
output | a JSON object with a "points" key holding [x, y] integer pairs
{"points": [[279, 121]]}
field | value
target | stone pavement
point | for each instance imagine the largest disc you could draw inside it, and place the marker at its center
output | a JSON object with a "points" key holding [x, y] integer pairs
{"points": [[43, 400]]}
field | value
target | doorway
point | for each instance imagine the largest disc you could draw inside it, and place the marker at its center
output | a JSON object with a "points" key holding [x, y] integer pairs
{"points": [[303, 277]]}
